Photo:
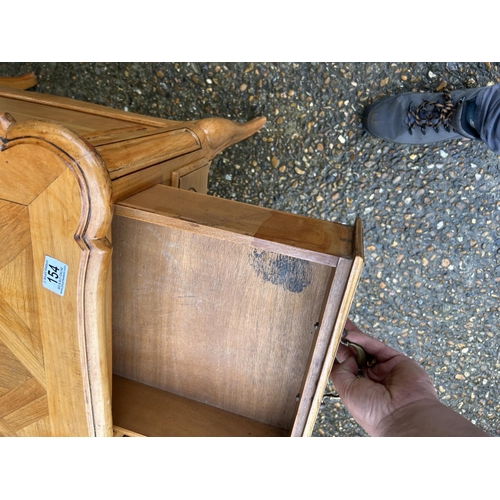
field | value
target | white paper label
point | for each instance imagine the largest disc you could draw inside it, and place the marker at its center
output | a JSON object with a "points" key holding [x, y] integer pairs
{"points": [[54, 275]]}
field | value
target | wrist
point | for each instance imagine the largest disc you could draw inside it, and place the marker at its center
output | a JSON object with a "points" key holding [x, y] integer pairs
{"points": [[426, 418]]}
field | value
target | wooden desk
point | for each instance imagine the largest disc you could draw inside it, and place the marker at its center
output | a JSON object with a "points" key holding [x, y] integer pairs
{"points": [[218, 318]]}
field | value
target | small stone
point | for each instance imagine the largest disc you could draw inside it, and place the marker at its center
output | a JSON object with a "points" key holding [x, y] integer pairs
{"points": [[431, 74], [243, 87], [160, 74], [341, 139], [299, 171], [441, 86], [445, 262], [459, 376], [274, 161], [384, 82]]}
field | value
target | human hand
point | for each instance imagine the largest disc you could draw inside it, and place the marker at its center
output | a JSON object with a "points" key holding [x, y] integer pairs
{"points": [[393, 383]]}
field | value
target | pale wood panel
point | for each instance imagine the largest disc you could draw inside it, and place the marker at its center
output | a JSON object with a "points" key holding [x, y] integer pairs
{"points": [[20, 396], [141, 410], [22, 375], [5, 429], [302, 237], [17, 337], [221, 323], [9, 211], [28, 415], [26, 170], [14, 233], [17, 289], [40, 428], [12, 372], [54, 219], [23, 409]]}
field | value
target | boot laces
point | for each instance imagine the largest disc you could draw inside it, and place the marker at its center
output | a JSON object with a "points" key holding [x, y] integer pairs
{"points": [[432, 114]]}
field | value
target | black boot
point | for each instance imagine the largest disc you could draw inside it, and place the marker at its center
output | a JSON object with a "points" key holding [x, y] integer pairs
{"points": [[423, 118]]}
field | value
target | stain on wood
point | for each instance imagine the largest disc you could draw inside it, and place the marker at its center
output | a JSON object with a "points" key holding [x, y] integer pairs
{"points": [[290, 273]]}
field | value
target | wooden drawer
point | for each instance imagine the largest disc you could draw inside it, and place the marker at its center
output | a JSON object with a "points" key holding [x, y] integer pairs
{"points": [[226, 316], [193, 177]]}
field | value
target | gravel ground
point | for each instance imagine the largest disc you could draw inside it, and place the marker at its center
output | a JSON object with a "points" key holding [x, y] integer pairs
{"points": [[431, 214]]}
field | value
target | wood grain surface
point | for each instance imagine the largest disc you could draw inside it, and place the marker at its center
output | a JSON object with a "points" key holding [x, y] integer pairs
{"points": [[54, 202]]}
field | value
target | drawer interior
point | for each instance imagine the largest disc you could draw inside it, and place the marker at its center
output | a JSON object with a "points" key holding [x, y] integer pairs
{"points": [[212, 335]]}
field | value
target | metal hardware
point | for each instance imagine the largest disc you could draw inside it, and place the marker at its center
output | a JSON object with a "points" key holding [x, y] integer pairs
{"points": [[363, 359]]}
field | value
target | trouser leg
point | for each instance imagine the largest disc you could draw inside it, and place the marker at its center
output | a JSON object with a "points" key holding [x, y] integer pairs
{"points": [[487, 116]]}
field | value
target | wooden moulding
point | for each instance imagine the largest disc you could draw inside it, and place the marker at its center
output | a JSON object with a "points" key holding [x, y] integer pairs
{"points": [[66, 191], [139, 151], [216, 133], [226, 316]]}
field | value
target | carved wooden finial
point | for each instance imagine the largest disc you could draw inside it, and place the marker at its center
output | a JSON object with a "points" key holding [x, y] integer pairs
{"points": [[222, 133]]}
